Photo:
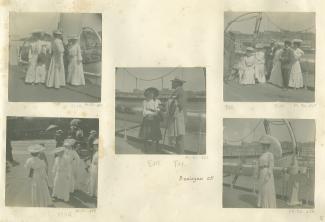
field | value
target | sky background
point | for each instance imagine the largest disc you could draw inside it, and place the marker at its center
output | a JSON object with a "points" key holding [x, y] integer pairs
{"points": [[194, 78], [22, 24], [292, 21], [238, 128]]}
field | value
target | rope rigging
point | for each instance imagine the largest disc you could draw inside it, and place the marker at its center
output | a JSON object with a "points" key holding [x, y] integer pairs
{"points": [[151, 79], [247, 135]]}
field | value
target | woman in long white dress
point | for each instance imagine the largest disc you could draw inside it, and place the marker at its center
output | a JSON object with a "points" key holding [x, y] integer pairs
{"points": [[62, 175], [296, 78], [56, 75], [266, 195], [93, 181], [36, 169], [34, 50], [260, 64], [248, 76], [75, 68], [74, 161], [276, 73]]}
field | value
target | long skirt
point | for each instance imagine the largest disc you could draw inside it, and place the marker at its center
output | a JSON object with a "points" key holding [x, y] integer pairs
{"points": [[40, 193], [93, 181], [56, 75], [266, 195], [31, 71], [276, 75], [75, 73], [150, 129], [296, 78], [40, 73], [62, 185], [260, 73], [248, 76]]}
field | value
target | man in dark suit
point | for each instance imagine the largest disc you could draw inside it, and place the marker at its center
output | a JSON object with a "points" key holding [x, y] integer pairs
{"points": [[286, 62], [269, 55]]}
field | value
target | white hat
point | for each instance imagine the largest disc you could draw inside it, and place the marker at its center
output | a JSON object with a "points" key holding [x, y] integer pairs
{"points": [[275, 145], [297, 40], [58, 149], [259, 46], [69, 142], [35, 148], [58, 32], [95, 142], [249, 49]]}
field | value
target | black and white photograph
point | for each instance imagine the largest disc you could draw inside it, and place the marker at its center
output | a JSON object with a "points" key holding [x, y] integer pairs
{"points": [[55, 57], [160, 111], [51, 162], [269, 163], [269, 56]]}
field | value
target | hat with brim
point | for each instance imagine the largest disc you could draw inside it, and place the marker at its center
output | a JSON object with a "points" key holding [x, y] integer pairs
{"points": [[177, 80], [36, 148], [69, 142], [249, 49], [74, 37], [92, 131], [275, 145], [57, 32], [75, 122], [58, 149], [95, 142], [297, 41], [154, 90], [258, 46]]}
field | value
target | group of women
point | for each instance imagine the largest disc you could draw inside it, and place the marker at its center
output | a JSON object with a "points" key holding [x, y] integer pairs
{"points": [[67, 173], [286, 69], [46, 61]]}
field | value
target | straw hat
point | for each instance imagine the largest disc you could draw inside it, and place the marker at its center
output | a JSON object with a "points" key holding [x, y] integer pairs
{"points": [[35, 148], [95, 142], [58, 32], [177, 80], [58, 149], [297, 41], [249, 49], [275, 145], [69, 142]]}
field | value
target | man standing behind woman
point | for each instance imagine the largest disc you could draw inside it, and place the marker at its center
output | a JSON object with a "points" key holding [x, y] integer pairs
{"points": [[56, 74], [286, 63]]}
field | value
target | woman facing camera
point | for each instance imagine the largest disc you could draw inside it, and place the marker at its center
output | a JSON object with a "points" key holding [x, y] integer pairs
{"points": [[266, 195], [75, 68]]}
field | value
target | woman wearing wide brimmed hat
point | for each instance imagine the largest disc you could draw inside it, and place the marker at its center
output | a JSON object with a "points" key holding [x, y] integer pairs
{"points": [[248, 76], [296, 79], [56, 74], [36, 168], [34, 51], [62, 175], [150, 130], [75, 68], [271, 147]]}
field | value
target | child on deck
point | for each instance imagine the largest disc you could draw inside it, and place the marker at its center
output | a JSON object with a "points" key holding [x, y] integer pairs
{"points": [[36, 169]]}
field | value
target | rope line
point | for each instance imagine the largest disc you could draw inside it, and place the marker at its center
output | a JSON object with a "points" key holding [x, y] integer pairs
{"points": [[287, 30], [152, 79], [250, 133]]}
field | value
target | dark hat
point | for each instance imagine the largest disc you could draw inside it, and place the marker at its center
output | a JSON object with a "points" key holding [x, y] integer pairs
{"points": [[151, 90], [178, 80], [287, 42]]}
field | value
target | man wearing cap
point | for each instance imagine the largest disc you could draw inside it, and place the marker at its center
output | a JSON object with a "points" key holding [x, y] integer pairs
{"points": [[286, 62], [56, 73], [176, 111]]}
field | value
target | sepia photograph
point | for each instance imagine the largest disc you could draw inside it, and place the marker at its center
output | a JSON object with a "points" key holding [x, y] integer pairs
{"points": [[269, 163], [55, 57], [51, 162], [160, 111], [269, 56]]}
